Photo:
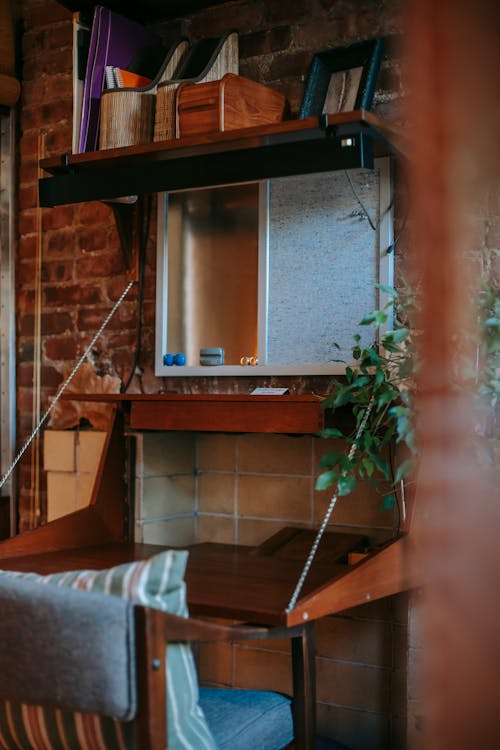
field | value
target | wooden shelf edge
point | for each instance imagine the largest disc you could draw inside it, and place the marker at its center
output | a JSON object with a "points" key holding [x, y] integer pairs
{"points": [[217, 412]]}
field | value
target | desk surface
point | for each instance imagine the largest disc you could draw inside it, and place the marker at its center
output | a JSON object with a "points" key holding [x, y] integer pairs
{"points": [[222, 580]]}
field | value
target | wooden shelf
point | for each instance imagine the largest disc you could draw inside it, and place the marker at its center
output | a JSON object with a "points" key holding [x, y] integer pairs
{"points": [[341, 141], [287, 414]]}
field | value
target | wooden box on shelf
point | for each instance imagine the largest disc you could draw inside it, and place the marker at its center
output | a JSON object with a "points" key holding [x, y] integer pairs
{"points": [[231, 103]]}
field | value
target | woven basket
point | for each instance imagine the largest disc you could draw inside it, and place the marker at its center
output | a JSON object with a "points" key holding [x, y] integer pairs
{"points": [[127, 115], [224, 59]]}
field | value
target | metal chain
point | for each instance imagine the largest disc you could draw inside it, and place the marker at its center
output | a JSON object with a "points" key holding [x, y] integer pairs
{"points": [[65, 385], [331, 506]]}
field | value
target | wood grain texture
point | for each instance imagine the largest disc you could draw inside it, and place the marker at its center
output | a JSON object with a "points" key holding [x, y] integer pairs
{"points": [[231, 103], [252, 137]]}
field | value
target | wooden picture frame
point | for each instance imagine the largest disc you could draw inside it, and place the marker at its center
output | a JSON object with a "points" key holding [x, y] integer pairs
{"points": [[342, 79]]}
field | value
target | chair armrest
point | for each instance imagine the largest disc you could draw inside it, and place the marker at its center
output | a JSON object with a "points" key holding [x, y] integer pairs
{"points": [[175, 629]]}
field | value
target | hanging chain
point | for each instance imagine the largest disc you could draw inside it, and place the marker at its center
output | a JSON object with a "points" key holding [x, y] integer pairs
{"points": [[65, 385], [331, 506]]}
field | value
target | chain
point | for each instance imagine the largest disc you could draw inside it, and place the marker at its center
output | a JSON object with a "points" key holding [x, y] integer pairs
{"points": [[329, 510], [65, 385]]}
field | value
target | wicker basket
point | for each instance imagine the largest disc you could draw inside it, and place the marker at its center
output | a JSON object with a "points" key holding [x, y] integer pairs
{"points": [[221, 60], [127, 115]]}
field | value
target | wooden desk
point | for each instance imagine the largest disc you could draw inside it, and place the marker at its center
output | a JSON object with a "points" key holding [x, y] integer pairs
{"points": [[222, 580]]}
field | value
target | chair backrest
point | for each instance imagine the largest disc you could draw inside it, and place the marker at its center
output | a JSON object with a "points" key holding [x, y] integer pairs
{"points": [[65, 648]]}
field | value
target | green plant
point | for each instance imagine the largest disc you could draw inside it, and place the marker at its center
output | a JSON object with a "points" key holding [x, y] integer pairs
{"points": [[379, 391]]}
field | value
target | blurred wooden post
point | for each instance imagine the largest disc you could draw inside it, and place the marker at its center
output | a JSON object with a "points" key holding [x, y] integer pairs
{"points": [[9, 85], [454, 76]]}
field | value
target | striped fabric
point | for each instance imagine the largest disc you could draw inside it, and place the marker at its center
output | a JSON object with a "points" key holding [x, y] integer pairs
{"points": [[159, 583]]}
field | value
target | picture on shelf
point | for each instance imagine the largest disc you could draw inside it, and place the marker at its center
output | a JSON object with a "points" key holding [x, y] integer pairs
{"points": [[342, 91], [342, 79]]}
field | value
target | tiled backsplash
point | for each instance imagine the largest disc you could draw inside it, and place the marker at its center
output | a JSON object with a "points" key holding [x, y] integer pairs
{"points": [[241, 489]]}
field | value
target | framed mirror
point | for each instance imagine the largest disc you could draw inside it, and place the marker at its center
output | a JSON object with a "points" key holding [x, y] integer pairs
{"points": [[271, 277]]}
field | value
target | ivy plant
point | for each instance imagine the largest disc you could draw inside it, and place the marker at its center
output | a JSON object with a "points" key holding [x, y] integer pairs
{"points": [[379, 390]]}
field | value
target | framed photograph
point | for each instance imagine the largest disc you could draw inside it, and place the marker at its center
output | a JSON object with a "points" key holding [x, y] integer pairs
{"points": [[342, 79]]}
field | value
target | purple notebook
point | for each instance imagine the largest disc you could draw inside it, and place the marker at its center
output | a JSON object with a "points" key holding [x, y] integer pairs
{"points": [[114, 40]]}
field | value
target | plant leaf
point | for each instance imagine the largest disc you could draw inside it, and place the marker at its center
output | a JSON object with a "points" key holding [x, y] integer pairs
{"points": [[326, 480], [346, 484]]}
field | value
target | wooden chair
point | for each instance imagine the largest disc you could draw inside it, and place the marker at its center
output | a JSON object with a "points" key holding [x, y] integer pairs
{"points": [[89, 652]]}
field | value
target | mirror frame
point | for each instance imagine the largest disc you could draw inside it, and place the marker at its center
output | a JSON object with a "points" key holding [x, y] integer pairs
{"points": [[385, 277]]}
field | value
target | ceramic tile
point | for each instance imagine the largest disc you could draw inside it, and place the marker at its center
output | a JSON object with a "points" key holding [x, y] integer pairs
{"points": [[275, 454], [178, 532], [167, 496], [216, 493], [216, 452], [168, 453], [216, 529], [275, 497]]}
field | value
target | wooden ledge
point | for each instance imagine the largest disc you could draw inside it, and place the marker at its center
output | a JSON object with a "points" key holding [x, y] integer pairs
{"points": [[217, 412]]}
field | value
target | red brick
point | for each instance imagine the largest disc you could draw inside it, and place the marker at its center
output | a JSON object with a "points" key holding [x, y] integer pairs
{"points": [[263, 42], [116, 286], [50, 377], [99, 265], [123, 340], [25, 274], [72, 295], [56, 271], [54, 323], [284, 65], [60, 242], [95, 212], [60, 348], [59, 141], [25, 352], [59, 217], [28, 148], [28, 197], [92, 239], [27, 222], [51, 63], [28, 172], [45, 14], [24, 375], [25, 301], [26, 247], [25, 325]]}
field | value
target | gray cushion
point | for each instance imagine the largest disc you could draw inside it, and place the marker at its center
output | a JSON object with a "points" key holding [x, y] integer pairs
{"points": [[45, 656], [157, 582]]}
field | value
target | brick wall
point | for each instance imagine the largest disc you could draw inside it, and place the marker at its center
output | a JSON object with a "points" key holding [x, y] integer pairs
{"points": [[76, 254]]}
